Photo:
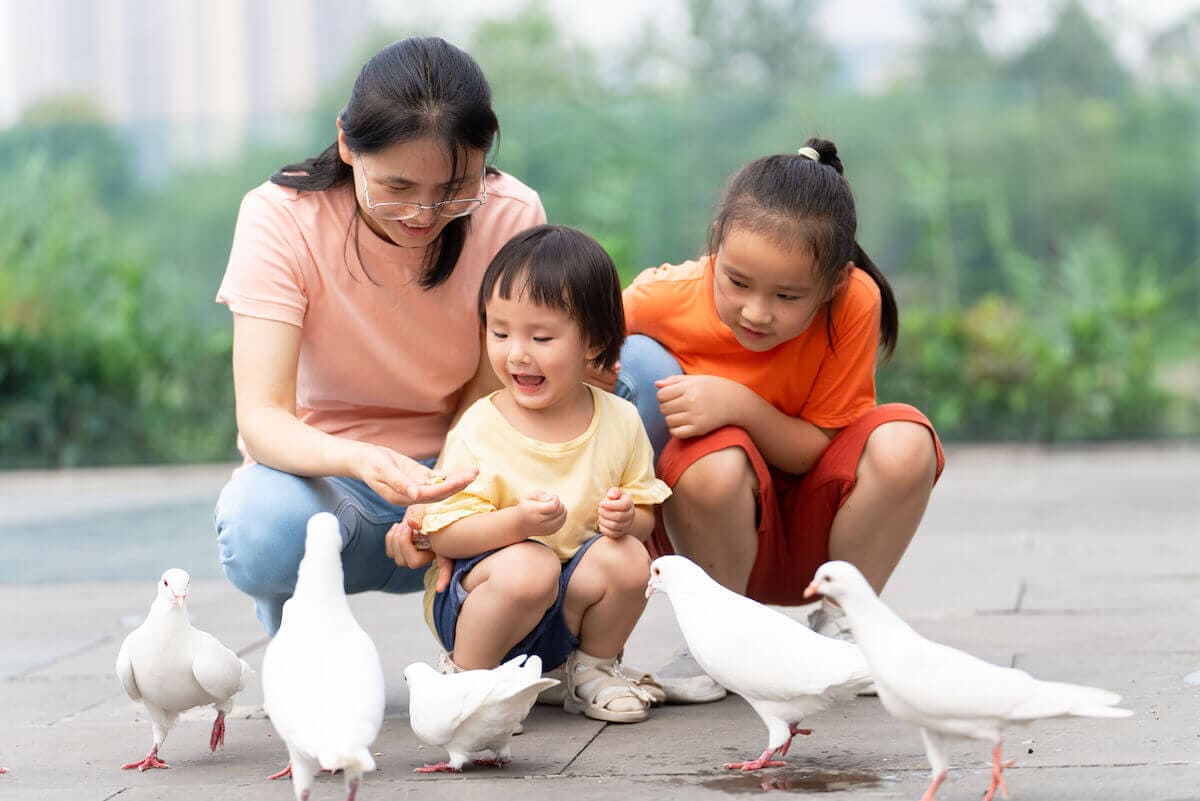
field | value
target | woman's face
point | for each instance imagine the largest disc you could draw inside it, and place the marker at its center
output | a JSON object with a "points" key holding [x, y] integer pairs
{"points": [[411, 172]]}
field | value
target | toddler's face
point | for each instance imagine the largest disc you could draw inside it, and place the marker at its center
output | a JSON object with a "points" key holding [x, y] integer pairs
{"points": [[537, 352], [766, 294]]}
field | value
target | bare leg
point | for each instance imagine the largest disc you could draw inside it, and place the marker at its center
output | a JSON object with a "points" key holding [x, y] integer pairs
{"points": [[509, 592], [607, 594], [895, 479], [710, 517]]}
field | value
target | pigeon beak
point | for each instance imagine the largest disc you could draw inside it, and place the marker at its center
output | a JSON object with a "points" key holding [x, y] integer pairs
{"points": [[177, 599], [649, 589], [811, 590]]}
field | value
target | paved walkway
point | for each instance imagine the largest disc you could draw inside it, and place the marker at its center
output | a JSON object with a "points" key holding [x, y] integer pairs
{"points": [[1077, 564]]}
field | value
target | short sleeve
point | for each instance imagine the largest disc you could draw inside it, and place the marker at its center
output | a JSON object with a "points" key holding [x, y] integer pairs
{"points": [[639, 300], [265, 275], [844, 388], [479, 496], [638, 481]]}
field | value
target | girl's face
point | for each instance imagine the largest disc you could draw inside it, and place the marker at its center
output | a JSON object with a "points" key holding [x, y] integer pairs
{"points": [[766, 294], [410, 172], [538, 353]]}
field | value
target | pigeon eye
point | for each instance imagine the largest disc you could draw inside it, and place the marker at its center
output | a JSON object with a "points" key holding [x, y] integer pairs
{"points": [[164, 582]]}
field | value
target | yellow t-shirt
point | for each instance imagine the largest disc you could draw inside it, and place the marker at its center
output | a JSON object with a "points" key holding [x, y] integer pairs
{"points": [[614, 451]]}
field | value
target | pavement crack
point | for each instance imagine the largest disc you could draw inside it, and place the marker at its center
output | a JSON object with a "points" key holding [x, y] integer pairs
{"points": [[585, 747]]}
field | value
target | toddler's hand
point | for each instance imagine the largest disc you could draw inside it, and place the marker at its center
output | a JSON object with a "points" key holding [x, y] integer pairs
{"points": [[616, 514], [408, 547], [542, 514]]}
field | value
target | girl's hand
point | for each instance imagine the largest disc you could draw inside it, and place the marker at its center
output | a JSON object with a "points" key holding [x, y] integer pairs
{"points": [[616, 514], [604, 379], [408, 547], [402, 481], [541, 514], [694, 405]]}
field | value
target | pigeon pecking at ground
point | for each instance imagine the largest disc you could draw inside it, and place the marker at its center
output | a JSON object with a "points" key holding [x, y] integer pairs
{"points": [[171, 667], [783, 669], [473, 712], [322, 678], [943, 691]]}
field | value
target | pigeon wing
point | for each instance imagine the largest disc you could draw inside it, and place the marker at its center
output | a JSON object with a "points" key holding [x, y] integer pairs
{"points": [[217, 669], [438, 706], [938, 681], [758, 651], [125, 671]]}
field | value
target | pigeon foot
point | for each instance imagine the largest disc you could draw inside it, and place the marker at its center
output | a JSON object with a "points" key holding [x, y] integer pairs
{"points": [[764, 761], [491, 763], [285, 772], [438, 767], [793, 730], [151, 761], [998, 768], [933, 786], [218, 733]]}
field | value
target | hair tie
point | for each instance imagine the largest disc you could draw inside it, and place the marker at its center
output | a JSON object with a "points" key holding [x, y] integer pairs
{"points": [[809, 153]]}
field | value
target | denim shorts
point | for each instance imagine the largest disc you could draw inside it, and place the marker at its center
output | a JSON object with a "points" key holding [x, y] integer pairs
{"points": [[550, 639]]}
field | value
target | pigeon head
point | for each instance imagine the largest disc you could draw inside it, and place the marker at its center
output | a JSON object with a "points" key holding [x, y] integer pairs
{"points": [[324, 534], [418, 671], [173, 586], [669, 573], [838, 580]]}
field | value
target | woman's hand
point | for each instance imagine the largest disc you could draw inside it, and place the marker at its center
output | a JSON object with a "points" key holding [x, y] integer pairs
{"points": [[694, 405], [408, 547], [541, 514], [616, 514], [402, 481]]}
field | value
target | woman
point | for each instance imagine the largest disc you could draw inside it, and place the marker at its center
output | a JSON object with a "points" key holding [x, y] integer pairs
{"points": [[352, 281]]}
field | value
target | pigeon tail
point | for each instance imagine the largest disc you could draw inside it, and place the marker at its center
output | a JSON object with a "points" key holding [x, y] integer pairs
{"points": [[357, 760], [1057, 699]]}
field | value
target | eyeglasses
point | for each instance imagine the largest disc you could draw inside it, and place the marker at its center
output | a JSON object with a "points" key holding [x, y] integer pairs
{"points": [[457, 207]]}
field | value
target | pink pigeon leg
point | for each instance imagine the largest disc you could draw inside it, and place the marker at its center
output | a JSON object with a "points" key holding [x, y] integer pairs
{"points": [[794, 731], [933, 787], [764, 761], [151, 761], [491, 763], [437, 767], [998, 774], [218, 733], [3, 770], [285, 772], [353, 790]]}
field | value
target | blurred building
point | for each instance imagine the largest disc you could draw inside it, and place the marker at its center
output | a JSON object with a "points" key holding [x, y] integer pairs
{"points": [[193, 80]]}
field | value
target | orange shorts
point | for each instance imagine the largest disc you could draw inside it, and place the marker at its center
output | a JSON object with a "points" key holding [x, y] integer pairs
{"points": [[795, 512]]}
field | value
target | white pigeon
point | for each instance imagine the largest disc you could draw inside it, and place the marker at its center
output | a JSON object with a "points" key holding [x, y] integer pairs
{"points": [[472, 712], [322, 678], [945, 692], [171, 667], [783, 669]]}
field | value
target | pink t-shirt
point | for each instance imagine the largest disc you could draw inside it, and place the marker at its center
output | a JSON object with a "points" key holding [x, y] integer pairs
{"points": [[381, 360]]}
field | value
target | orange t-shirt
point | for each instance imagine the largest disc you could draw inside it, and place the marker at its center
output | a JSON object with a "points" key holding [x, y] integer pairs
{"points": [[804, 377], [381, 359]]}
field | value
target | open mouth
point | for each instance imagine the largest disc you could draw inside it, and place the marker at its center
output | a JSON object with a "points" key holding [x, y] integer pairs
{"points": [[528, 383]]}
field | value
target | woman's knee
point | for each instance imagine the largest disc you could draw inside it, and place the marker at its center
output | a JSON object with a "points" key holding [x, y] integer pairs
{"points": [[901, 454], [260, 520]]}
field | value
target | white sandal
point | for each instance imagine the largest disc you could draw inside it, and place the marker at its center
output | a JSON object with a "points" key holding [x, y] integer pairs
{"points": [[593, 684]]}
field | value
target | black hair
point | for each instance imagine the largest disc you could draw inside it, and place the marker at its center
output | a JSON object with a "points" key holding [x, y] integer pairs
{"points": [[793, 199], [562, 268], [417, 88]]}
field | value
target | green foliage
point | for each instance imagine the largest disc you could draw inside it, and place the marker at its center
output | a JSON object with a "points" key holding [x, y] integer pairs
{"points": [[1041, 231]]}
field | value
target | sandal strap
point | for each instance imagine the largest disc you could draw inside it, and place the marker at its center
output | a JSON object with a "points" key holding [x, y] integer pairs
{"points": [[612, 683]]}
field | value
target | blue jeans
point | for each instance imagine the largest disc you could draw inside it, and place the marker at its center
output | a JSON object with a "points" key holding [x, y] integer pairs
{"points": [[644, 361], [261, 519]]}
